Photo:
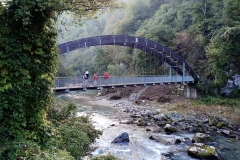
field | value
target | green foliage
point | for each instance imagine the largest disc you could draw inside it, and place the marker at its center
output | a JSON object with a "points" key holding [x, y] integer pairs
{"points": [[28, 58], [206, 87], [205, 33], [102, 59], [210, 100], [62, 70], [74, 140], [223, 50], [27, 67], [60, 112], [105, 157], [76, 133], [68, 136], [31, 150], [135, 15], [234, 93]]}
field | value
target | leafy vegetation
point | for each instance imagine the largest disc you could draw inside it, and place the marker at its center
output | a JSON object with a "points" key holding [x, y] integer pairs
{"points": [[28, 58], [223, 101], [69, 137], [77, 133], [105, 157], [205, 33]]}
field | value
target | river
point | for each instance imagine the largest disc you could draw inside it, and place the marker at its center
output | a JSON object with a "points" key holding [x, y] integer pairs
{"points": [[107, 118]]}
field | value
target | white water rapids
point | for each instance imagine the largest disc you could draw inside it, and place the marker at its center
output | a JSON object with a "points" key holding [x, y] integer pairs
{"points": [[107, 118]]}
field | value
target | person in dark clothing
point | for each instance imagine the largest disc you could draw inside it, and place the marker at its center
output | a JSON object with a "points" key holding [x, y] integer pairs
{"points": [[86, 78]]}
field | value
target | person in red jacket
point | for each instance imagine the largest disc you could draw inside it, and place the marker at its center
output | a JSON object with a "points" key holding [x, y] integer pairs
{"points": [[106, 77], [95, 78]]}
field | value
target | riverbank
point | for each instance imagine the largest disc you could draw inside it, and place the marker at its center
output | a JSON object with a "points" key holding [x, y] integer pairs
{"points": [[167, 98], [163, 110], [155, 127]]}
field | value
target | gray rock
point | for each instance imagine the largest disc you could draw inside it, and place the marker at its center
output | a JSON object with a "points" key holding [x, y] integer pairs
{"points": [[178, 141], [133, 97], [164, 140], [202, 151], [170, 128], [122, 138], [158, 117], [201, 138], [167, 156], [225, 132], [156, 138]]}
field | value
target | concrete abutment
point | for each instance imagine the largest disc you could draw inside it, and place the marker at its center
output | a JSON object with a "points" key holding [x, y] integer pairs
{"points": [[190, 91]]}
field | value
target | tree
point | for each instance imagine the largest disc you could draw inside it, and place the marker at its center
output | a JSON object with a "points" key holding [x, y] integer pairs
{"points": [[28, 58], [223, 51], [62, 70]]}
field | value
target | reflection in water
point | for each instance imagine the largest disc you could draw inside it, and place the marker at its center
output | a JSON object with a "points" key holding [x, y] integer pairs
{"points": [[140, 146]]}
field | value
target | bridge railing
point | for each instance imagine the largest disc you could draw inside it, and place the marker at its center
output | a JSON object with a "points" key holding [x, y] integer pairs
{"points": [[67, 82]]}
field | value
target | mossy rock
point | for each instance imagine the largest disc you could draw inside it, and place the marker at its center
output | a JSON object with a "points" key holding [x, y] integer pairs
{"points": [[213, 121], [180, 92], [169, 121], [169, 128], [221, 124], [202, 151], [200, 124], [141, 123], [162, 124], [201, 138]]}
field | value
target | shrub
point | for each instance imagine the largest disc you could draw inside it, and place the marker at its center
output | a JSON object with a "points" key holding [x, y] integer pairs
{"points": [[68, 137], [210, 100], [61, 111], [105, 157], [76, 133], [74, 140], [234, 94], [32, 151]]}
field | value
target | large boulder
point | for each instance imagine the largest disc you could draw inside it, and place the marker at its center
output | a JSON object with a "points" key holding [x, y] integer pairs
{"points": [[202, 151], [201, 138], [122, 138], [170, 129]]}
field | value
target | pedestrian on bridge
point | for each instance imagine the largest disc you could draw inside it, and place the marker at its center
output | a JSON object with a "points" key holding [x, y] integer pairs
{"points": [[106, 77], [86, 77], [95, 78]]}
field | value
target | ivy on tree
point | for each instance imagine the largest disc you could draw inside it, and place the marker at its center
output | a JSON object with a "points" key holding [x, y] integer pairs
{"points": [[28, 57]]}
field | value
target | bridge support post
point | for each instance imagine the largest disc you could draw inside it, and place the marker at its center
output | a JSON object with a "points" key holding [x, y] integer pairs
{"points": [[190, 91], [183, 80]]}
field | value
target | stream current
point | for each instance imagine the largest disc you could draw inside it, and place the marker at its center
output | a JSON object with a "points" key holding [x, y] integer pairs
{"points": [[107, 118]]}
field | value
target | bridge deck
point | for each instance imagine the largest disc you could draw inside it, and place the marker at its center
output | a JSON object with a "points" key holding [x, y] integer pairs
{"points": [[65, 84]]}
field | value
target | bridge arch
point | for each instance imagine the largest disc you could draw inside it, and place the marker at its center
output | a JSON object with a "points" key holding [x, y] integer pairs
{"points": [[149, 46]]}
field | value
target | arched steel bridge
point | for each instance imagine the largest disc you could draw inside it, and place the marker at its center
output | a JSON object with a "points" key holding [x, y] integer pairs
{"points": [[149, 46]]}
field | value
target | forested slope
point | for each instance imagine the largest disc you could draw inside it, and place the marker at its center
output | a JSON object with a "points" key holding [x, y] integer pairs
{"points": [[205, 33]]}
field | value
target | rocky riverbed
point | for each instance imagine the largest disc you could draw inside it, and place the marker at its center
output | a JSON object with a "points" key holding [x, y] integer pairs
{"points": [[163, 109]]}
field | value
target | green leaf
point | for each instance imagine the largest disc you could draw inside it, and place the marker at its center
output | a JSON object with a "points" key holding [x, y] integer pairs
{"points": [[27, 47]]}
